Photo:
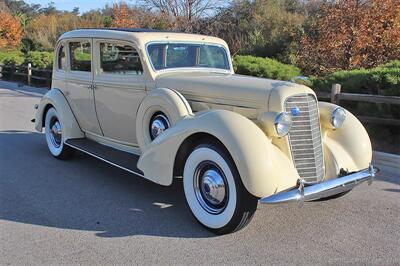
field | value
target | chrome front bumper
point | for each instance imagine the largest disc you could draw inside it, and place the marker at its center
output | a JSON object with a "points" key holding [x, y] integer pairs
{"points": [[324, 189]]}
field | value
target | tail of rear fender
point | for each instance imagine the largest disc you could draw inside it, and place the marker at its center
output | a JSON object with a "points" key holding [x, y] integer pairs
{"points": [[55, 98], [264, 169]]}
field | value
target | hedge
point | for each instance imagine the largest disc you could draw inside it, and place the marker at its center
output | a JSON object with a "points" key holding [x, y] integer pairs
{"points": [[43, 60], [382, 80], [11, 57], [37, 59], [264, 67]]}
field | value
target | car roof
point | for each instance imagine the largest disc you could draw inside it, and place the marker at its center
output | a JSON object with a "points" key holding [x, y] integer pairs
{"points": [[138, 30], [140, 36]]}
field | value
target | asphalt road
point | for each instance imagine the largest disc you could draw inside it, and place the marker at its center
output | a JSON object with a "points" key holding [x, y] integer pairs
{"points": [[84, 211]]}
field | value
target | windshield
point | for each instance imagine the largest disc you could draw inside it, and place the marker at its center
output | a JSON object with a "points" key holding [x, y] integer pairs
{"points": [[175, 55]]}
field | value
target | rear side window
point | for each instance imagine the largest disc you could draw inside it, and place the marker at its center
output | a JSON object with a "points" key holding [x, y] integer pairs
{"points": [[61, 58], [80, 56], [119, 59]]}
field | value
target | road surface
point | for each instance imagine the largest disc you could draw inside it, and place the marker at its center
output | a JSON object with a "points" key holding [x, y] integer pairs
{"points": [[84, 211]]}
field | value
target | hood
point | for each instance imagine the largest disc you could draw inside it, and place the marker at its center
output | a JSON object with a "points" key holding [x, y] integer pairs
{"points": [[226, 89]]}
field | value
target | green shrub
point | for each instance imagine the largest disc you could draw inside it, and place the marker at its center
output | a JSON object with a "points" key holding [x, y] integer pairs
{"points": [[11, 57], [382, 80], [41, 60], [264, 67]]}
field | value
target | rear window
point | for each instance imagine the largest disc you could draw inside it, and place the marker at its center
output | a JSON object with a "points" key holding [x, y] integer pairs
{"points": [[80, 56], [61, 58]]}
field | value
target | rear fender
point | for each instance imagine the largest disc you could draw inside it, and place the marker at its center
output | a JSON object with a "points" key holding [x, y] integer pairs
{"points": [[263, 168], [55, 98]]}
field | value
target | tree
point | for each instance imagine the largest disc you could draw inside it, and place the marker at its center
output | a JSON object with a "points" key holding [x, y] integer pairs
{"points": [[349, 34], [19, 6], [23, 20], [46, 29], [257, 27], [122, 17], [184, 13], [10, 31]]}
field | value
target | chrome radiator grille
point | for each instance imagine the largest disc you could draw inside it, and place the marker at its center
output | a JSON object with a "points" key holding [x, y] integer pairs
{"points": [[305, 137]]}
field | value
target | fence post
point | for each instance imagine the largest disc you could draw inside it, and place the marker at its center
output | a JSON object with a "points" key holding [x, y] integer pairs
{"points": [[49, 78], [29, 73], [334, 93], [1, 71], [12, 71]]}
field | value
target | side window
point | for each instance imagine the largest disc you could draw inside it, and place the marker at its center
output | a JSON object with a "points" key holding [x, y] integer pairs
{"points": [[80, 56], [61, 58], [119, 59]]}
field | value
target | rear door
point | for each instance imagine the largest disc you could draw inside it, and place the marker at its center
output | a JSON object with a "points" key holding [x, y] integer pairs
{"points": [[119, 88], [79, 88]]}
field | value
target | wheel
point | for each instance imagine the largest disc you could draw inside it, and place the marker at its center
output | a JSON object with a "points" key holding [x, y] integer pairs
{"points": [[214, 191], [158, 124], [54, 137], [160, 109]]}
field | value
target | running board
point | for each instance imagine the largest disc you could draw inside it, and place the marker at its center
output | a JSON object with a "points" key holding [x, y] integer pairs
{"points": [[124, 160]]}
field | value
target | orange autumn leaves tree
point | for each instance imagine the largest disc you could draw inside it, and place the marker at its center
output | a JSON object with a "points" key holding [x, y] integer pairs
{"points": [[349, 34], [10, 31], [122, 17]]}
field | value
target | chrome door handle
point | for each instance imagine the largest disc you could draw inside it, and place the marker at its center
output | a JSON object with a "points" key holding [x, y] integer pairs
{"points": [[90, 86], [94, 86]]}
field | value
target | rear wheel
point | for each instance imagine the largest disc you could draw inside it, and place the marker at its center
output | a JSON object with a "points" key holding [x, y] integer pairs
{"points": [[214, 191], [54, 136]]}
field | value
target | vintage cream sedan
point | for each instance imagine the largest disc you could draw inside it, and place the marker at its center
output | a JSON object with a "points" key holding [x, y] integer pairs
{"points": [[163, 105]]}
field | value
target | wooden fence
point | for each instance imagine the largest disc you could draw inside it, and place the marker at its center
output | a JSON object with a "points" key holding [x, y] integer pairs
{"points": [[26, 74], [336, 96]]}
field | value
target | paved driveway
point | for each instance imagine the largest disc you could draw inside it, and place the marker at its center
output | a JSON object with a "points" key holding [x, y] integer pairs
{"points": [[85, 211]]}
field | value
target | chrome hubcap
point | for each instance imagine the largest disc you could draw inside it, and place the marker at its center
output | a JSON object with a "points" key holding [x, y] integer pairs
{"points": [[158, 125], [55, 132], [211, 187]]}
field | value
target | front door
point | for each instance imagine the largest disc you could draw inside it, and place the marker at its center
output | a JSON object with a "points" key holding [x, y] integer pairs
{"points": [[79, 89], [119, 88]]}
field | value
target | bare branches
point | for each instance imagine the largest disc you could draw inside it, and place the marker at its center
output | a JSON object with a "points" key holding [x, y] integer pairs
{"points": [[184, 13]]}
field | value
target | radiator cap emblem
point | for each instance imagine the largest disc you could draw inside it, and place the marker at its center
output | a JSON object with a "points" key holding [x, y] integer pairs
{"points": [[295, 111]]}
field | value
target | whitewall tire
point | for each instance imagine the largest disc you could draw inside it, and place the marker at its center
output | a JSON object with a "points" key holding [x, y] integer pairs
{"points": [[54, 136], [214, 191]]}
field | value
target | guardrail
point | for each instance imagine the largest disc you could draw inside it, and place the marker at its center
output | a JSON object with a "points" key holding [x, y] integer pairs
{"points": [[336, 96], [27, 74]]}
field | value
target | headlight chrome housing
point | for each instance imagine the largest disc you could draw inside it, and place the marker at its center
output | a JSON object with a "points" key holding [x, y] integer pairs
{"points": [[338, 117], [283, 123]]}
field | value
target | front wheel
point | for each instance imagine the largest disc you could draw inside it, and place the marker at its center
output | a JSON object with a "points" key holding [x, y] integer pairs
{"points": [[214, 191], [54, 136]]}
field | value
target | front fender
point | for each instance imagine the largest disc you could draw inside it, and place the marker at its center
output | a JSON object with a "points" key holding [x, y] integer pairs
{"points": [[56, 98], [347, 147], [263, 168]]}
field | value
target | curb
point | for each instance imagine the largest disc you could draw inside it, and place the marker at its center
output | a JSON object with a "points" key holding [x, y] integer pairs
{"points": [[386, 159], [36, 91]]}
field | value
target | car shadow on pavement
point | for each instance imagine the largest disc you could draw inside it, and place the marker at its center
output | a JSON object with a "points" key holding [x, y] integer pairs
{"points": [[84, 193]]}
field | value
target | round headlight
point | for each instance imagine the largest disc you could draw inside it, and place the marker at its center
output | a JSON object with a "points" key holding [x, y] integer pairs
{"points": [[338, 116], [283, 123]]}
